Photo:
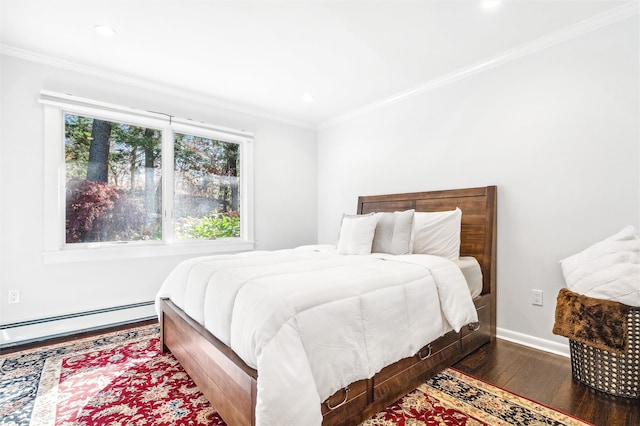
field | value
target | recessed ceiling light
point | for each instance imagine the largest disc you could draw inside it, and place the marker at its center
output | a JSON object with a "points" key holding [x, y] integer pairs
{"points": [[105, 31], [307, 97], [490, 4]]}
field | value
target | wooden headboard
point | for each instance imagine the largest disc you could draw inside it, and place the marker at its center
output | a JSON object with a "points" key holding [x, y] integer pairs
{"points": [[478, 233]]}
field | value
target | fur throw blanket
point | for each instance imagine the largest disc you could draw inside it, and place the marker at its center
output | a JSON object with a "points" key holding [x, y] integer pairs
{"points": [[599, 323]]}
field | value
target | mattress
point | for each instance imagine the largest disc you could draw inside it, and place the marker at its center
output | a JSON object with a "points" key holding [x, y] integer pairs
{"points": [[472, 273]]}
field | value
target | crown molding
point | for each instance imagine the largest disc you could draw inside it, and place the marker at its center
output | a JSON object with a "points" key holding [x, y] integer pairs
{"points": [[612, 16], [31, 56]]}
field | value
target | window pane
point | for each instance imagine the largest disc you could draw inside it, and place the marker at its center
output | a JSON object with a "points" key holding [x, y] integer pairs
{"points": [[113, 181], [207, 174]]}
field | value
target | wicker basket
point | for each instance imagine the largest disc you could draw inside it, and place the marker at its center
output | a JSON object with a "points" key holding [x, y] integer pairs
{"points": [[617, 375]]}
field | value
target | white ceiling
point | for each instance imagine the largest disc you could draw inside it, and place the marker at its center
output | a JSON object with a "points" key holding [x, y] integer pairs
{"points": [[265, 55]]}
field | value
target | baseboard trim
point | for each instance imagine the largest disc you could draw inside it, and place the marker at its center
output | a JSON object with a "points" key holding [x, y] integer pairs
{"points": [[533, 342], [24, 332]]}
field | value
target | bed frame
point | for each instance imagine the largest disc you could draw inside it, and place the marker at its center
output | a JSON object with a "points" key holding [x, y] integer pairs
{"points": [[230, 385]]}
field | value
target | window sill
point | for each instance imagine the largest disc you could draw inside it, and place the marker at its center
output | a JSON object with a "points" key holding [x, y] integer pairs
{"points": [[126, 251]]}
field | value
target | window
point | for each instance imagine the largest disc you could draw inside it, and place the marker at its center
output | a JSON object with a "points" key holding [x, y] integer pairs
{"points": [[113, 181], [206, 179], [120, 179]]}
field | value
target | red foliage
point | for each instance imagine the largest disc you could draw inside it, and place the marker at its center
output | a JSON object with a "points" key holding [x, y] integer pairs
{"points": [[99, 212], [86, 201]]}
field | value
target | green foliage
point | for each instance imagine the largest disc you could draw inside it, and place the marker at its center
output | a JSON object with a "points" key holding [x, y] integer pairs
{"points": [[201, 156], [217, 225]]}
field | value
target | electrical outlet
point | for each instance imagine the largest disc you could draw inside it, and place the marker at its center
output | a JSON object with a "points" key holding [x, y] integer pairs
{"points": [[536, 297], [14, 296]]}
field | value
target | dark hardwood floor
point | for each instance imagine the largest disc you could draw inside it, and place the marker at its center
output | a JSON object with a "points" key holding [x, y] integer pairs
{"points": [[546, 378]]}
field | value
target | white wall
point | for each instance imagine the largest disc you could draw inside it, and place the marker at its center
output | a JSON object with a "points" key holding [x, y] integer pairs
{"points": [[557, 131], [285, 195]]}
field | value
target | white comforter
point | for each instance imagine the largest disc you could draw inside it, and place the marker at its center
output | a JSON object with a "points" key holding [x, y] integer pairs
{"points": [[312, 321]]}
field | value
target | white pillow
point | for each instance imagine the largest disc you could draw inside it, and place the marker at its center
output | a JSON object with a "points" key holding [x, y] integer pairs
{"points": [[393, 233], [356, 234], [437, 233], [609, 269]]}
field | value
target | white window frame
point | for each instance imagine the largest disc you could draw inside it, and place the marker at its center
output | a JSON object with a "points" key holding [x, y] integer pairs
{"points": [[56, 105]]}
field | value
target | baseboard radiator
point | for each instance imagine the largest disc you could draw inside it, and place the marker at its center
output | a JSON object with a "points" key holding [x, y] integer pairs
{"points": [[36, 330]]}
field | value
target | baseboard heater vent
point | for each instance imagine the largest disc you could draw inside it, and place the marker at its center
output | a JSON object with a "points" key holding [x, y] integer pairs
{"points": [[19, 333]]}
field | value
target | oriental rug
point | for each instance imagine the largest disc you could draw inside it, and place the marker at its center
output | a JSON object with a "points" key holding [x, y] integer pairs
{"points": [[122, 378]]}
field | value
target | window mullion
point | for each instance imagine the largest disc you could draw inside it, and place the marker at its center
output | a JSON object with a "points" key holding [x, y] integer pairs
{"points": [[168, 209], [246, 188]]}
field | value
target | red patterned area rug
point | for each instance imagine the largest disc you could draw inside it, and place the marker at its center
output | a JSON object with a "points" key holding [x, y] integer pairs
{"points": [[122, 378], [454, 398]]}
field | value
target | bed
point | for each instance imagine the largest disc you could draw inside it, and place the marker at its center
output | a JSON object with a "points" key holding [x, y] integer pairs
{"points": [[231, 384]]}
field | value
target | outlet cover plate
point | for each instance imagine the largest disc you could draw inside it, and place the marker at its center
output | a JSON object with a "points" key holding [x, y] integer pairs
{"points": [[14, 296], [536, 297]]}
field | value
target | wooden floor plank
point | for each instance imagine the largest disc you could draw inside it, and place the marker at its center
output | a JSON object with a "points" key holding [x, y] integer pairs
{"points": [[546, 378]]}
